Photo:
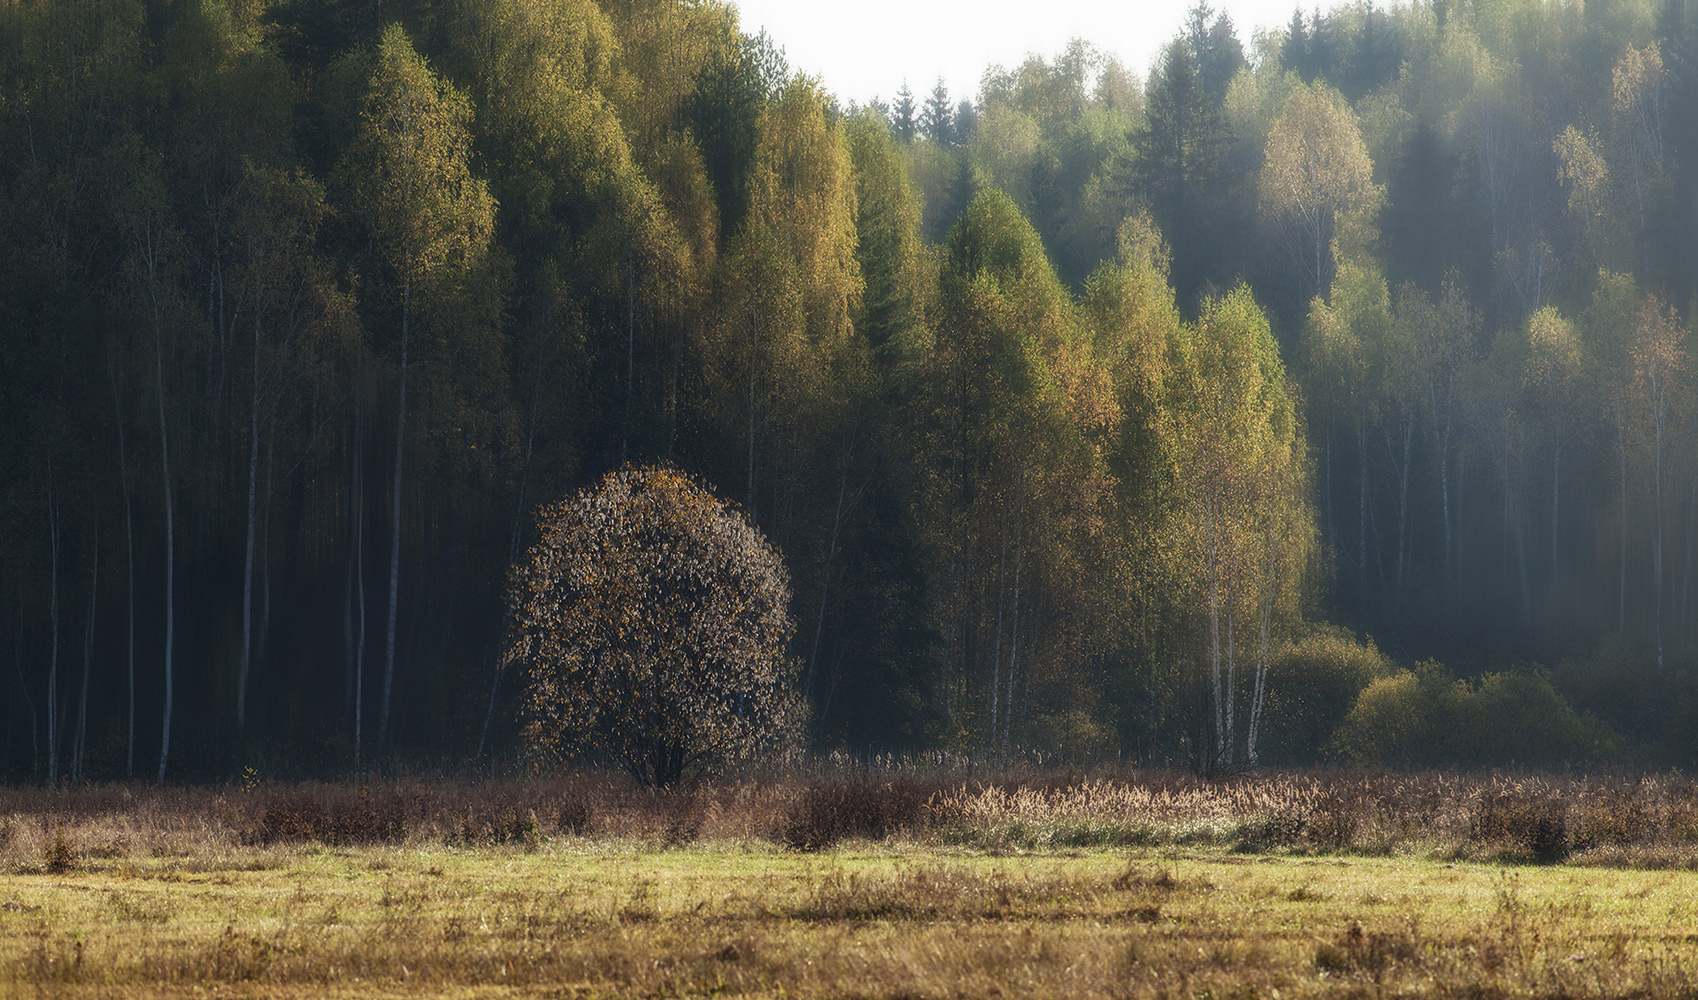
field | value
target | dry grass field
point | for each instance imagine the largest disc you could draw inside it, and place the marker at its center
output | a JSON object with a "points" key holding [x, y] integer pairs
{"points": [[1111, 886]]}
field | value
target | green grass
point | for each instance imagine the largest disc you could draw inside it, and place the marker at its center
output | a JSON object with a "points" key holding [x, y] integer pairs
{"points": [[580, 917]]}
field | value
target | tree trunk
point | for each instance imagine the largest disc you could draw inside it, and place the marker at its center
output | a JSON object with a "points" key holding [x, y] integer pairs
{"points": [[1230, 748], [630, 352], [262, 635], [1686, 576], [53, 618], [830, 554], [1657, 526], [1621, 611], [359, 595], [1507, 533], [754, 352], [395, 528], [1556, 510], [1521, 564], [1014, 637], [512, 557], [170, 552], [88, 659], [248, 559], [994, 688], [348, 587], [1213, 569], [1326, 493], [1250, 752], [672, 391], [1444, 501], [130, 595], [1403, 505], [1362, 508]]}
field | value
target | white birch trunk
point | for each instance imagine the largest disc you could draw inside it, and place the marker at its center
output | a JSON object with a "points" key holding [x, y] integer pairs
{"points": [[1250, 751]]}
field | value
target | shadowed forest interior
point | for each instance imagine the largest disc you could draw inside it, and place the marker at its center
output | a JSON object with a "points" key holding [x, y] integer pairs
{"points": [[1324, 394]]}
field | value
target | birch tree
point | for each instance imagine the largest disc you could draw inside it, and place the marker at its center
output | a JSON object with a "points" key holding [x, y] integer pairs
{"points": [[1316, 190], [1657, 395], [1552, 378], [1244, 482], [408, 177], [275, 220]]}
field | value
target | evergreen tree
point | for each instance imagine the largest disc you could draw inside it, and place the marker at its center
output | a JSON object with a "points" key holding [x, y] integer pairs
{"points": [[1179, 157], [902, 121], [937, 119]]}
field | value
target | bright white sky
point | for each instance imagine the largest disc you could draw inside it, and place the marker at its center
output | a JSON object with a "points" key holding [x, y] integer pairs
{"points": [[866, 48]]}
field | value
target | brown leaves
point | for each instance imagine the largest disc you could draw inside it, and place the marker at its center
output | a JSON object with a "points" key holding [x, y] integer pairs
{"points": [[653, 621]]}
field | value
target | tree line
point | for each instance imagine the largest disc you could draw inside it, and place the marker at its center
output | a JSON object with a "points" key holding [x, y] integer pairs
{"points": [[1070, 408]]}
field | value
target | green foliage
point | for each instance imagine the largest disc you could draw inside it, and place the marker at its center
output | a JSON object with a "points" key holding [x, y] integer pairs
{"points": [[1072, 410], [652, 622], [1179, 162], [1315, 681], [408, 172], [889, 250], [724, 113], [1427, 717]]}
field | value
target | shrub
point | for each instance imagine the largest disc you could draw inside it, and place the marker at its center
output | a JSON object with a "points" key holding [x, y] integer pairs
{"points": [[1312, 684], [653, 621], [1536, 827], [830, 811], [1395, 719], [301, 816], [1429, 718], [60, 857]]}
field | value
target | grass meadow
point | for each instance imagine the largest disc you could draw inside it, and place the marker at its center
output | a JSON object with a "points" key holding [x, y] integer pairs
{"points": [[891, 885]]}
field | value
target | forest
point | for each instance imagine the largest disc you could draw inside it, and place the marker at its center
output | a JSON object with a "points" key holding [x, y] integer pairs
{"points": [[1323, 395]]}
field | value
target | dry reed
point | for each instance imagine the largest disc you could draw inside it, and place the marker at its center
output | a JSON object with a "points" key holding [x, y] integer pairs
{"points": [[1618, 820]]}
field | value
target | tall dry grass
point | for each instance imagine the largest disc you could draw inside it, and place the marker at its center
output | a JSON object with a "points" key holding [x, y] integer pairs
{"points": [[1617, 820]]}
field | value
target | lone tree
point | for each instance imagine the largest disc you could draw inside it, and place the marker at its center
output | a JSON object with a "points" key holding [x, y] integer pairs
{"points": [[653, 620]]}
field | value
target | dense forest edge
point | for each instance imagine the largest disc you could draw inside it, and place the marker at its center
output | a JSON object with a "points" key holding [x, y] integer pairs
{"points": [[1322, 397]]}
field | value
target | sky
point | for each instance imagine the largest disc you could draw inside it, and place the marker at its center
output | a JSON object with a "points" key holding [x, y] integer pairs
{"points": [[867, 48]]}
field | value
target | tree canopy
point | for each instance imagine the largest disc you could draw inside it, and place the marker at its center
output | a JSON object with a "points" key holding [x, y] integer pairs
{"points": [[653, 623], [1094, 413]]}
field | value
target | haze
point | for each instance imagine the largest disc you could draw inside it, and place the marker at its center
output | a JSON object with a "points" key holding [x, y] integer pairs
{"points": [[868, 49]]}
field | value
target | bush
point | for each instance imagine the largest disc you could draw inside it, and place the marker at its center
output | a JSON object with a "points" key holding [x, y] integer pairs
{"points": [[60, 857], [1312, 684], [1535, 827], [1655, 710], [330, 819], [830, 811], [653, 621], [1426, 717]]}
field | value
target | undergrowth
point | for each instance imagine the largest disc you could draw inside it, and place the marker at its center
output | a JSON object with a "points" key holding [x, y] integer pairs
{"points": [[1540, 819]]}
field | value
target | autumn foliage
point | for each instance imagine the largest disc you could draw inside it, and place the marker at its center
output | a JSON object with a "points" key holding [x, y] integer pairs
{"points": [[653, 622]]}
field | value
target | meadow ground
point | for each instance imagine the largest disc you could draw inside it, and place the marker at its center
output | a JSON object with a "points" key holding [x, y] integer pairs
{"points": [[317, 892]]}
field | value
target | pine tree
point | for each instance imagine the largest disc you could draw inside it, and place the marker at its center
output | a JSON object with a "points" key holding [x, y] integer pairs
{"points": [[902, 121], [937, 119], [1179, 163]]}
